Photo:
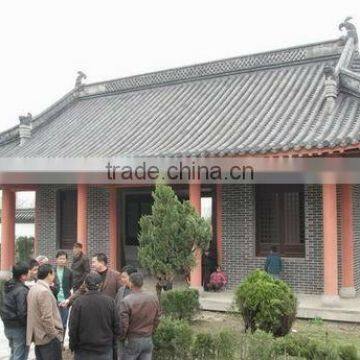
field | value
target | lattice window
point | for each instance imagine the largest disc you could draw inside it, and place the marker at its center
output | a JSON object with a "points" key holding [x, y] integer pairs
{"points": [[66, 218], [280, 219]]}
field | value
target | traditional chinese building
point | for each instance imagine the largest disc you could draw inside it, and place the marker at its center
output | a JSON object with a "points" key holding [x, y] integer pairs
{"points": [[300, 101]]}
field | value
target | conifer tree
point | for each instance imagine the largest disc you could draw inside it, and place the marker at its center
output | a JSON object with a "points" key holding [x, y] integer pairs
{"points": [[169, 236]]}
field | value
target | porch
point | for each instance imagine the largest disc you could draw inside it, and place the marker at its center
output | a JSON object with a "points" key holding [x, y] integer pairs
{"points": [[328, 264], [309, 306]]}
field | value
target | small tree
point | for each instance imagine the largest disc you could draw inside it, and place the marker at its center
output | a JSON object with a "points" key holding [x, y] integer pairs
{"points": [[24, 248], [169, 236]]}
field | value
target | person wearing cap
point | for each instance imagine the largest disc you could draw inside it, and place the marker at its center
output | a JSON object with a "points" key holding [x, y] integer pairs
{"points": [[94, 323]]}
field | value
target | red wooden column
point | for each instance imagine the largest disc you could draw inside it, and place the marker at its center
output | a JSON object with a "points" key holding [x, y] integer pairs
{"points": [[347, 287], [196, 273], [82, 223], [7, 230], [330, 296], [219, 224], [113, 228]]}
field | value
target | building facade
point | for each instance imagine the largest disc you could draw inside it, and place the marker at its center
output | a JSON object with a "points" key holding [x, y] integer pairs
{"points": [[296, 102]]}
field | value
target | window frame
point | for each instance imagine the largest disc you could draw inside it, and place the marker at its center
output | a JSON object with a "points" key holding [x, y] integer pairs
{"points": [[65, 244], [286, 249]]}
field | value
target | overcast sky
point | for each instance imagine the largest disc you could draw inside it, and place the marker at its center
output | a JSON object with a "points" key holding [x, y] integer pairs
{"points": [[44, 43]]}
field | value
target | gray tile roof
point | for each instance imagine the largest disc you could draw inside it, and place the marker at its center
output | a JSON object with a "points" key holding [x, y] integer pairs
{"points": [[260, 103], [24, 216]]}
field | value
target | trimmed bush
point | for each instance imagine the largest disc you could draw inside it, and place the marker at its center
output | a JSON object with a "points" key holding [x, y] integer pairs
{"points": [[225, 345], [266, 303], [24, 248], [259, 345], [204, 347], [180, 304], [218, 346], [348, 352], [172, 340], [314, 349]]}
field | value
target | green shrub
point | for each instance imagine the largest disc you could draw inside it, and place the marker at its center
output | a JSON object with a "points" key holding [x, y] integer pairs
{"points": [[181, 304], [348, 352], [218, 346], [257, 346], [172, 340], [266, 303], [225, 342], [302, 346], [204, 347], [24, 248]]}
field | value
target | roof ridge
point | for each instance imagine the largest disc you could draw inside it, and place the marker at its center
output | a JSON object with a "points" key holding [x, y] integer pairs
{"points": [[248, 62]]}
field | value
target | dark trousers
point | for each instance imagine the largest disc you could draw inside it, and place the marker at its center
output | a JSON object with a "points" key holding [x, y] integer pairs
{"points": [[64, 313], [89, 355], [17, 342], [138, 349], [51, 350]]}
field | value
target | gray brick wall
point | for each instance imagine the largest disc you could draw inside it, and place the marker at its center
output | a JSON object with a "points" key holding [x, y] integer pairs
{"points": [[303, 274], [98, 220]]}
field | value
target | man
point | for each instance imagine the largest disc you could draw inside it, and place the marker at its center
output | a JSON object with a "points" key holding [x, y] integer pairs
{"points": [[111, 279], [32, 274], [80, 266], [139, 318], [273, 264], [63, 285], [122, 292], [125, 283], [14, 311], [44, 325], [93, 323]]}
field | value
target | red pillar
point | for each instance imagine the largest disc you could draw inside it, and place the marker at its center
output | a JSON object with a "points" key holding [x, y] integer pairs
{"points": [[196, 273], [113, 228], [82, 204], [219, 224], [7, 230], [347, 286], [330, 296]]}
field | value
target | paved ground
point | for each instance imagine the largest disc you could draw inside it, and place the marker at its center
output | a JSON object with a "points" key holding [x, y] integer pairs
{"points": [[4, 348]]}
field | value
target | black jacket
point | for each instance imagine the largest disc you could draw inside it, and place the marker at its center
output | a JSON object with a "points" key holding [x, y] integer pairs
{"points": [[80, 267], [94, 323], [14, 306], [67, 283]]}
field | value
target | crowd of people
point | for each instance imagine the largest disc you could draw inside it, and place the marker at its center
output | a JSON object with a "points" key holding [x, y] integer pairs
{"points": [[107, 313]]}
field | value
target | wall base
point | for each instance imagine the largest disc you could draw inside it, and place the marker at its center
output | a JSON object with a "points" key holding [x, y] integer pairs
{"points": [[347, 292], [330, 300]]}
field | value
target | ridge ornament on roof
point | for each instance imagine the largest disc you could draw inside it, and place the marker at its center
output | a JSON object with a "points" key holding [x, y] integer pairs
{"points": [[80, 77], [25, 128], [350, 29]]}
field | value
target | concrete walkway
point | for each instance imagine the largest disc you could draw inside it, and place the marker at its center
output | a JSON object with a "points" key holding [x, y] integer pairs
{"points": [[309, 306]]}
